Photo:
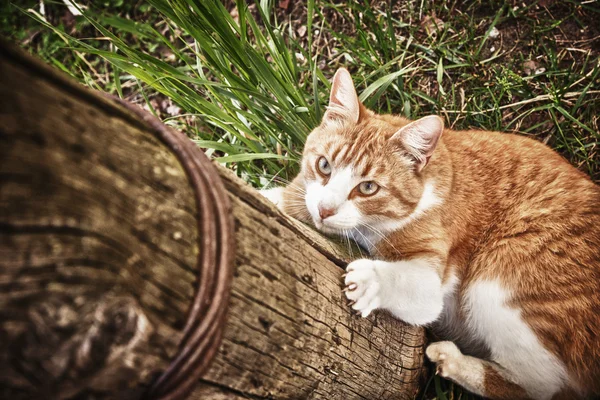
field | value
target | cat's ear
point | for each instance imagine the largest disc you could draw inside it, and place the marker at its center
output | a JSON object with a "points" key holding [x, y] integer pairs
{"points": [[420, 138], [343, 100]]}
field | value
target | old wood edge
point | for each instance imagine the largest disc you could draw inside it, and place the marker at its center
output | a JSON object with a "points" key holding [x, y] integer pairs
{"points": [[144, 120], [205, 321], [409, 353]]}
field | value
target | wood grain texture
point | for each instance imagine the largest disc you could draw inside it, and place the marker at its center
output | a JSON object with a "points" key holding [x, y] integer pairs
{"points": [[97, 254], [288, 314], [92, 209]]}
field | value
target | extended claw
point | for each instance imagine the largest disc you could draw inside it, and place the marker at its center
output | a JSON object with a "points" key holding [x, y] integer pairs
{"points": [[351, 287], [351, 303]]}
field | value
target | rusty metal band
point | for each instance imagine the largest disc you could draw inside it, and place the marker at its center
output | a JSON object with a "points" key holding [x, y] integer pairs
{"points": [[203, 330], [205, 320]]}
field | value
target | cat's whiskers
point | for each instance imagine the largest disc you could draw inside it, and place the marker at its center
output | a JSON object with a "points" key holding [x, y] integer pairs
{"points": [[296, 206], [298, 190], [295, 201], [278, 179], [298, 203], [358, 246], [295, 189], [366, 239], [345, 231], [380, 234]]}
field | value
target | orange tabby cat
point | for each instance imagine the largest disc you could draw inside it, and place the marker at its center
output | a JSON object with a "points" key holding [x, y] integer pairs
{"points": [[490, 239]]}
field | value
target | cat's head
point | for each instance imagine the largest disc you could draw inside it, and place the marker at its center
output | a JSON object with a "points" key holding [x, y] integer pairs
{"points": [[366, 170]]}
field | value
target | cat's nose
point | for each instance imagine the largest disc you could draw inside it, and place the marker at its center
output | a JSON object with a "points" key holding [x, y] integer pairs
{"points": [[325, 212]]}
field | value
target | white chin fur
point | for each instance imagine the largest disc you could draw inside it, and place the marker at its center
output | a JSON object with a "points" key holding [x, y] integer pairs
{"points": [[327, 227]]}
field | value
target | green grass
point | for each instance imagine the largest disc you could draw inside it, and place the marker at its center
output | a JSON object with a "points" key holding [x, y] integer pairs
{"points": [[17, 24], [459, 76], [251, 86], [251, 90], [438, 388]]}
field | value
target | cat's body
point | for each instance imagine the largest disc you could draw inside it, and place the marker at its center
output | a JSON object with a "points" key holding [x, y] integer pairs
{"points": [[492, 240]]}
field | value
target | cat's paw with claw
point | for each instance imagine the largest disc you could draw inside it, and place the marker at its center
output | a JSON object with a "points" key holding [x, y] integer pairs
{"points": [[363, 286], [446, 356]]}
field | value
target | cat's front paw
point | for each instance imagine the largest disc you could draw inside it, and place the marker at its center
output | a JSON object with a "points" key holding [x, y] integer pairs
{"points": [[363, 286]]}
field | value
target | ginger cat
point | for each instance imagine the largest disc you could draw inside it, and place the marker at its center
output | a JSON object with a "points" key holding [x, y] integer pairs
{"points": [[490, 239]]}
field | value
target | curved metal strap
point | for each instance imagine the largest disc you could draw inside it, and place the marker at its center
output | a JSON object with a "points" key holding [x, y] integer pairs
{"points": [[206, 317]]}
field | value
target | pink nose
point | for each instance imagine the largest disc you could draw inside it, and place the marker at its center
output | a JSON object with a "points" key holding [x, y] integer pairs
{"points": [[325, 212]]}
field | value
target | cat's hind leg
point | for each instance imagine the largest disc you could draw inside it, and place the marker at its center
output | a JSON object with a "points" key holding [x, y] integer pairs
{"points": [[478, 376]]}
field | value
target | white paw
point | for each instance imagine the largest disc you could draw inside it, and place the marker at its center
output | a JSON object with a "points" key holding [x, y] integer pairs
{"points": [[363, 286], [446, 356], [274, 195]]}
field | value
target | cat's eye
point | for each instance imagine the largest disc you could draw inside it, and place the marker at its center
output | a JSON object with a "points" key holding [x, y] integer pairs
{"points": [[368, 188], [323, 166]]}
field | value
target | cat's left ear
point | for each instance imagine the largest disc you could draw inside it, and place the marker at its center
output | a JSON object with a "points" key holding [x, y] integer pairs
{"points": [[343, 100], [420, 138]]}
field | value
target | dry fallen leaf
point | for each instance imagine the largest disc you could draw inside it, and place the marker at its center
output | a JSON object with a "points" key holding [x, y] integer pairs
{"points": [[301, 30], [284, 4], [530, 66], [494, 33], [432, 25]]}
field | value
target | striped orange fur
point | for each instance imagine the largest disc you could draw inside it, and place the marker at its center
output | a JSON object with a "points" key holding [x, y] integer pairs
{"points": [[509, 228]]}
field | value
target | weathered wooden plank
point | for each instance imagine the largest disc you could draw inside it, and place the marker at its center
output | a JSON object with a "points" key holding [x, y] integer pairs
{"points": [[288, 315], [98, 247]]}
